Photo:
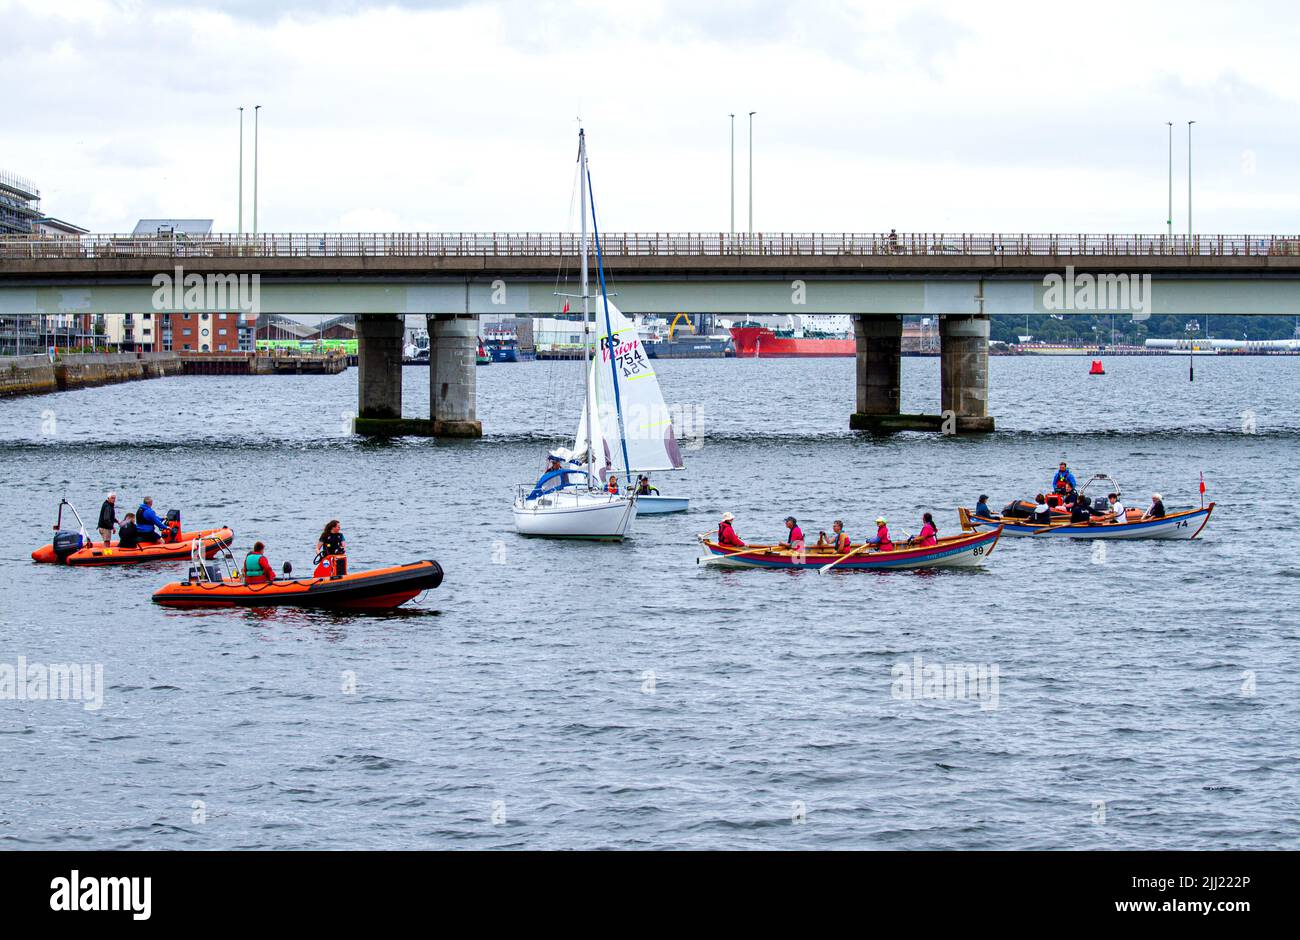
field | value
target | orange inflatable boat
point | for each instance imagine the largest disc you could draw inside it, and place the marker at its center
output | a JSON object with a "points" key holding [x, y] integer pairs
{"points": [[71, 548], [381, 589]]}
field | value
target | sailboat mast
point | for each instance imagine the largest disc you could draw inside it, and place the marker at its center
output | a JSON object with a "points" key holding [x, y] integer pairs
{"points": [[587, 388]]}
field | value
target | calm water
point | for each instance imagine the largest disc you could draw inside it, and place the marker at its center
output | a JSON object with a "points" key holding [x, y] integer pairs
{"points": [[558, 695]]}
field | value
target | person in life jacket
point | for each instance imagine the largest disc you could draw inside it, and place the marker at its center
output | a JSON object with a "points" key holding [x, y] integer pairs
{"points": [[982, 508], [1069, 495], [837, 541], [612, 486], [796, 541], [331, 551], [929, 534], [726, 534], [1063, 475], [643, 487], [257, 570], [147, 522], [881, 539]]}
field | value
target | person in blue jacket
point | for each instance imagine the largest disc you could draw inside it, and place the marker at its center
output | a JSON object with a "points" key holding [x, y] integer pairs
{"points": [[148, 524], [1063, 476]]}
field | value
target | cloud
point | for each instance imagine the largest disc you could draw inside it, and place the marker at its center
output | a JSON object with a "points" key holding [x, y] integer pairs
{"points": [[461, 115]]}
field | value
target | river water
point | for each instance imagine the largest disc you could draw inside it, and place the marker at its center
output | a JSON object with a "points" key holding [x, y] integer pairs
{"points": [[565, 695]]}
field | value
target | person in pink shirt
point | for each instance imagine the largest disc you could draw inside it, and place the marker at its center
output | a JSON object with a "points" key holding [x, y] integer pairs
{"points": [[929, 534]]}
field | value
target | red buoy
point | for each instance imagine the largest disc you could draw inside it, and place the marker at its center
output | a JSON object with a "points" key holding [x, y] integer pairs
{"points": [[1096, 368]]}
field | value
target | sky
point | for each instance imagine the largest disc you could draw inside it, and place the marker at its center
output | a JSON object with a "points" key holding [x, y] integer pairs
{"points": [[462, 116]]}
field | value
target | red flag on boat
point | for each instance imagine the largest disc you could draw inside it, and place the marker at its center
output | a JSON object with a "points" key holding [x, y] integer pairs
{"points": [[1202, 489], [566, 307]]}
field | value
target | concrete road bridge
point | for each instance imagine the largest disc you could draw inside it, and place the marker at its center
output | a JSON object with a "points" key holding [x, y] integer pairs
{"points": [[452, 279]]}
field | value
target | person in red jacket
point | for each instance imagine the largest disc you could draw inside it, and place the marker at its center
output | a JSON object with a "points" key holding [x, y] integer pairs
{"points": [[726, 534], [881, 539]]}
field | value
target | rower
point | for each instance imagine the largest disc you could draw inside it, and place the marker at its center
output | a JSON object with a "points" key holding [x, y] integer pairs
{"points": [[727, 534], [1117, 508], [1157, 510], [929, 532], [1063, 475], [796, 542], [1042, 512], [1080, 512], [982, 508], [881, 539], [837, 541], [257, 570]]}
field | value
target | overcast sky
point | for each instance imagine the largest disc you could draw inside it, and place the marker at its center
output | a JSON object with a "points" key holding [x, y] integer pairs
{"points": [[462, 116]]}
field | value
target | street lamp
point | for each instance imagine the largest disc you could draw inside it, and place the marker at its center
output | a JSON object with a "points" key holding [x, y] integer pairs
{"points": [[1191, 327], [733, 173], [241, 169], [1189, 179], [1169, 219], [256, 110], [751, 171]]}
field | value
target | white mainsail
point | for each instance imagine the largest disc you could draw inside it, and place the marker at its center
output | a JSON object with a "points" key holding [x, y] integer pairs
{"points": [[634, 428]]}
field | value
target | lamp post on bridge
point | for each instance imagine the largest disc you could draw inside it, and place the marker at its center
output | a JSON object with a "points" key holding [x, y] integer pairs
{"points": [[1169, 215], [733, 173], [751, 171], [1191, 328], [1189, 180]]}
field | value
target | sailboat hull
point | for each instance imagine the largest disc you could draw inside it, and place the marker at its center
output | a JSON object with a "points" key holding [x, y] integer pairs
{"points": [[575, 514], [659, 505]]}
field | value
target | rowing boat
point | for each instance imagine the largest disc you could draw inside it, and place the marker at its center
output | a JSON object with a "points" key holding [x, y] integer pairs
{"points": [[953, 551], [1176, 525]]}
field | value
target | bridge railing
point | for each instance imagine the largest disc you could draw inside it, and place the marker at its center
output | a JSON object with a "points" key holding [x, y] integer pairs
{"points": [[639, 244]]}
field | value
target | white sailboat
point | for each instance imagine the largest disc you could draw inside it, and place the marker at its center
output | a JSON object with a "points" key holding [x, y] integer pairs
{"points": [[634, 429], [571, 503]]}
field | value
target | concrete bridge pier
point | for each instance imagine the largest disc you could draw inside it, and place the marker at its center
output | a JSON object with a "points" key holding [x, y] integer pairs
{"points": [[964, 372], [379, 374], [453, 395], [879, 367]]}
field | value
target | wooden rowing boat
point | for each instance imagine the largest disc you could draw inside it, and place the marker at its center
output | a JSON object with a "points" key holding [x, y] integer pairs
{"points": [[1175, 525], [953, 551]]}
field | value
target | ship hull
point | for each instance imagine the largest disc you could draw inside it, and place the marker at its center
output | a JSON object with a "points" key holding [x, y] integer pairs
{"points": [[760, 342]]}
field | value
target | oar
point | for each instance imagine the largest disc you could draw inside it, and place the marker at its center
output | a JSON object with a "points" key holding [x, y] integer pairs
{"points": [[825, 568]]}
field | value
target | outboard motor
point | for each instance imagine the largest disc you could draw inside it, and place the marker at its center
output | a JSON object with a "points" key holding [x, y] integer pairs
{"points": [[67, 543], [1101, 504], [172, 529]]}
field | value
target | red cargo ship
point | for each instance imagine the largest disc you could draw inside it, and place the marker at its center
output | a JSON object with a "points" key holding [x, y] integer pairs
{"points": [[754, 340]]}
